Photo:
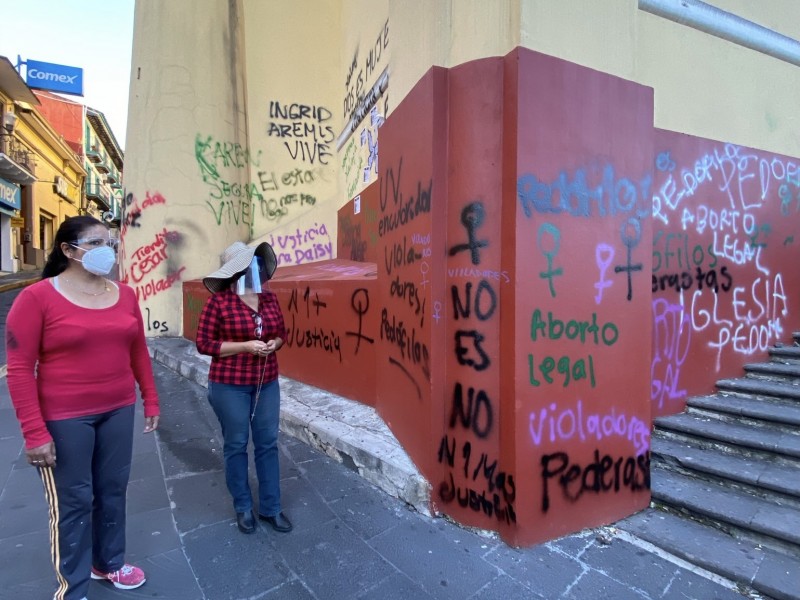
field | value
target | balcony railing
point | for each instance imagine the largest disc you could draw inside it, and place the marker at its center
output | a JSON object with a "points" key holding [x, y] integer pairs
{"points": [[103, 167], [18, 153], [95, 193], [93, 154]]}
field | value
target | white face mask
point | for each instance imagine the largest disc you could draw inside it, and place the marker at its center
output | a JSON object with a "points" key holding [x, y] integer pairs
{"points": [[98, 261]]}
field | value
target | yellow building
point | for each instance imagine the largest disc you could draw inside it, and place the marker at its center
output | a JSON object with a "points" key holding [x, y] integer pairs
{"points": [[47, 171]]}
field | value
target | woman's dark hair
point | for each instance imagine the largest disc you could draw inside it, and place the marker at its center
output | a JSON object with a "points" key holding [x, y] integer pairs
{"points": [[69, 231]]}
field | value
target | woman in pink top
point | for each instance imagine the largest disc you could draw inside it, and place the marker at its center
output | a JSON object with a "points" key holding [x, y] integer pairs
{"points": [[76, 350]]}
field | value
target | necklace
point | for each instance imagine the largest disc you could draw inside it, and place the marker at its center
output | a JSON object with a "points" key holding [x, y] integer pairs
{"points": [[74, 287]]}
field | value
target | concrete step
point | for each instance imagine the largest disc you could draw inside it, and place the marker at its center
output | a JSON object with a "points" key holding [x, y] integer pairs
{"points": [[785, 354], [768, 572], [708, 432], [760, 387], [774, 371], [759, 475], [782, 414], [747, 517]]}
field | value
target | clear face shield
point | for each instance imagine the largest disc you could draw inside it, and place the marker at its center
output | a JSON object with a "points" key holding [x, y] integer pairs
{"points": [[254, 279]]}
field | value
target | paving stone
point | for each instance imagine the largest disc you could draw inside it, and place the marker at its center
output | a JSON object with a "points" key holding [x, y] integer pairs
{"points": [[200, 500], [436, 553], [592, 585], [230, 565], [351, 539], [504, 587], [146, 494], [332, 562], [546, 572], [9, 426], [395, 587], [150, 533]]}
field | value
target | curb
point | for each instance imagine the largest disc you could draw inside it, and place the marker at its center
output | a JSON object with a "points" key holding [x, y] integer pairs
{"points": [[347, 431], [14, 285]]}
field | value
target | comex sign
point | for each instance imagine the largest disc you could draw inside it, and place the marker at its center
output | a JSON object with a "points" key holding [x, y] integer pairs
{"points": [[56, 78], [9, 195]]}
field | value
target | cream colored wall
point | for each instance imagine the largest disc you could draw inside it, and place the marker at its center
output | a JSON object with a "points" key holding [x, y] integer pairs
{"points": [[709, 87], [365, 51], [208, 158], [704, 85], [291, 52], [186, 162]]}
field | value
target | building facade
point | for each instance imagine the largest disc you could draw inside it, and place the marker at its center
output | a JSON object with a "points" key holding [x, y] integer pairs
{"points": [[103, 161], [17, 167], [58, 159], [87, 132], [543, 191]]}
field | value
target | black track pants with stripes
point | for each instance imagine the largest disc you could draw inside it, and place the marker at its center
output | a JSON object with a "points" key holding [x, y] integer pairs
{"points": [[85, 494]]}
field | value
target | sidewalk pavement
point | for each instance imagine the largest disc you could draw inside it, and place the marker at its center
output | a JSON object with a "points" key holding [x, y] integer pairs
{"points": [[349, 489], [13, 281]]}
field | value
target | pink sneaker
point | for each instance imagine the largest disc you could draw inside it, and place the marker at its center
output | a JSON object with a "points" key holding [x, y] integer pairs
{"points": [[127, 578]]}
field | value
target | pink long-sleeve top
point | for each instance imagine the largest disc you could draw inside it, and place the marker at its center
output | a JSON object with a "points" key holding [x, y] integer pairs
{"points": [[67, 361]]}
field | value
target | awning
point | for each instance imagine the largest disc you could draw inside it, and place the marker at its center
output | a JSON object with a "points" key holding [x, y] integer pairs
{"points": [[13, 172]]}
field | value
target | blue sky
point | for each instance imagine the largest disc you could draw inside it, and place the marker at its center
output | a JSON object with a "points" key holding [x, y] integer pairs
{"points": [[95, 35]]}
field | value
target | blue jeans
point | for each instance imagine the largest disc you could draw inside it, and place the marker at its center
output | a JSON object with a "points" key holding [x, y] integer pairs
{"points": [[233, 405]]}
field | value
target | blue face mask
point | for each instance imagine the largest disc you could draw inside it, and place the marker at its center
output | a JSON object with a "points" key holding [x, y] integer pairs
{"points": [[254, 278], [98, 261]]}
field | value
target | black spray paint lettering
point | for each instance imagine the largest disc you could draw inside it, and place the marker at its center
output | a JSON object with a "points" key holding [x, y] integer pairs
{"points": [[472, 217], [316, 338], [476, 414], [400, 255], [483, 306], [402, 211], [359, 301], [463, 338], [501, 489], [602, 475], [309, 302], [685, 280], [630, 243], [411, 349]]}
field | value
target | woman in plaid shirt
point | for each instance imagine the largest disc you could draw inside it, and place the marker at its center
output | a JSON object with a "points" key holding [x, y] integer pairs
{"points": [[241, 327]]}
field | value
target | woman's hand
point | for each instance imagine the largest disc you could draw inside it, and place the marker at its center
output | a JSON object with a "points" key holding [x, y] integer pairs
{"points": [[257, 347], [42, 456], [150, 424], [274, 344]]}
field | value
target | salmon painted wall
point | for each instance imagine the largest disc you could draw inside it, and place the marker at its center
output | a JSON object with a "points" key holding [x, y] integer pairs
{"points": [[516, 233], [65, 116], [725, 251], [499, 330], [328, 308], [410, 342]]}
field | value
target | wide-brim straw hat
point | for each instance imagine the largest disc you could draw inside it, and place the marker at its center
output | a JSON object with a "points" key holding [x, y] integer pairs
{"points": [[235, 261]]}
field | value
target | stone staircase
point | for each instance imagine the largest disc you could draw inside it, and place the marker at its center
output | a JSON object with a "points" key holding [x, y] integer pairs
{"points": [[726, 479]]}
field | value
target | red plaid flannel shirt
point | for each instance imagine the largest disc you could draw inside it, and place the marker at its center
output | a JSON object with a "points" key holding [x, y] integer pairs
{"points": [[225, 318]]}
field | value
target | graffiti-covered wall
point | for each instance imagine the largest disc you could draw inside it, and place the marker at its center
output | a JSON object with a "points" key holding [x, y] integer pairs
{"points": [[189, 160], [514, 291], [525, 269], [726, 225]]}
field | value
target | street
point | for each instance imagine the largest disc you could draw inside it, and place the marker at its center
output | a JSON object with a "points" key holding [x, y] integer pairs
{"points": [[351, 540]]}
